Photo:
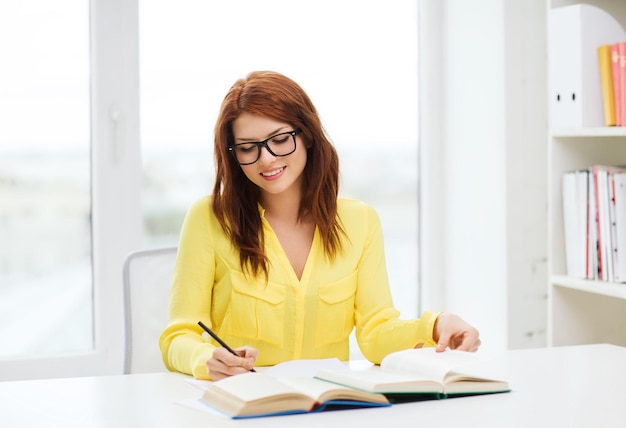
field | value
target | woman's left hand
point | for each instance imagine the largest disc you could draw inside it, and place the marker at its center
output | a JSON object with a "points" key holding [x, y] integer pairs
{"points": [[452, 332]]}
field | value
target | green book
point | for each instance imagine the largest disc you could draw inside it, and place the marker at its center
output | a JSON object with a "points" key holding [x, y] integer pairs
{"points": [[419, 374]]}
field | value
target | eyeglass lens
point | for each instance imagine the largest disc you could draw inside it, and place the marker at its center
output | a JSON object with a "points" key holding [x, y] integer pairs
{"points": [[278, 145]]}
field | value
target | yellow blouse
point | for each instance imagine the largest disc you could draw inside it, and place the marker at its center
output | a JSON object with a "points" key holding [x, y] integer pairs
{"points": [[285, 318]]}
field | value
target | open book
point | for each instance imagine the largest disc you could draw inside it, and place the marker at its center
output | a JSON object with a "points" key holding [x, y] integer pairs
{"points": [[257, 394], [416, 374]]}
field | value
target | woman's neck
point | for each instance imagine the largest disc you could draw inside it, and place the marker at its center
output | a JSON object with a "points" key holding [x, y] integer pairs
{"points": [[284, 207]]}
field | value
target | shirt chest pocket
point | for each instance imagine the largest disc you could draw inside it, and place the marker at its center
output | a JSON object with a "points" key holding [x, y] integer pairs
{"points": [[335, 311], [257, 310]]}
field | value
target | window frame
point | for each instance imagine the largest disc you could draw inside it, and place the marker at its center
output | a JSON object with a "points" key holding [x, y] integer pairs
{"points": [[115, 191]]}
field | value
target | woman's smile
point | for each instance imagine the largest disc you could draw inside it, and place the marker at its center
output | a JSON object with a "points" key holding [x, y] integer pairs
{"points": [[273, 173]]}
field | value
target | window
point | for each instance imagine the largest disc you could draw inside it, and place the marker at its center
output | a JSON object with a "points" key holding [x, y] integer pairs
{"points": [[74, 197], [69, 183], [45, 202], [356, 59]]}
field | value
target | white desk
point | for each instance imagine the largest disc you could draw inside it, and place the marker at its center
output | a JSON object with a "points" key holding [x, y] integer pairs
{"points": [[578, 386]]}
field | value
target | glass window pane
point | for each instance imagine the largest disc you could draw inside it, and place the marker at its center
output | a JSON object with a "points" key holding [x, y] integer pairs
{"points": [[357, 59], [45, 229]]}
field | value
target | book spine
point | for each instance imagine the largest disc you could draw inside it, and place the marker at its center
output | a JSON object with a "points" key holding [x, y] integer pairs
{"points": [[616, 83], [618, 222], [622, 82], [606, 80], [613, 227], [592, 229], [600, 189]]}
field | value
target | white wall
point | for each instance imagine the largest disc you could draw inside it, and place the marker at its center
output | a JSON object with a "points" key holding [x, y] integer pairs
{"points": [[477, 119], [527, 171]]}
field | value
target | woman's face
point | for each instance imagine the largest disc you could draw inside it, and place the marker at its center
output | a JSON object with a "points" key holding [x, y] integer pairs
{"points": [[273, 174]]}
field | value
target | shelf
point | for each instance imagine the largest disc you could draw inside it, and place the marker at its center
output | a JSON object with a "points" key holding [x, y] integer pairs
{"points": [[607, 131], [580, 311], [595, 287]]}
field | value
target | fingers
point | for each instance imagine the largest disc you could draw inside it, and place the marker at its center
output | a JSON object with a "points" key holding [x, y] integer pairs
{"points": [[467, 341], [249, 356], [454, 333], [224, 364], [444, 342]]}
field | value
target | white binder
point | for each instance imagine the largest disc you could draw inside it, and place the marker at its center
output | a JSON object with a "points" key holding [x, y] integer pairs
{"points": [[575, 33]]}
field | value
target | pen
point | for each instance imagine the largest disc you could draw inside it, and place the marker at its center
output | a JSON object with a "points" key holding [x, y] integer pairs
{"points": [[220, 341]]}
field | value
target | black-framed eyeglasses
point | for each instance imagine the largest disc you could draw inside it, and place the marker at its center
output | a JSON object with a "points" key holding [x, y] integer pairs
{"points": [[278, 145]]}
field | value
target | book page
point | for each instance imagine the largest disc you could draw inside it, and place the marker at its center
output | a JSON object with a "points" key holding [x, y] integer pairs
{"points": [[252, 386], [305, 368], [323, 391], [254, 394], [427, 361], [379, 380]]}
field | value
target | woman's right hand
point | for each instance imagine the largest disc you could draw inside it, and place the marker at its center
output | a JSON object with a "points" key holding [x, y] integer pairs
{"points": [[224, 364]]}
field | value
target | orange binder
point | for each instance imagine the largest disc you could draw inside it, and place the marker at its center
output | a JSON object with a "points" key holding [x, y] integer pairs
{"points": [[606, 79]]}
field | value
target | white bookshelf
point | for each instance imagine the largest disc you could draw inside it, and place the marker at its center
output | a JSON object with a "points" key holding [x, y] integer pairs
{"points": [[582, 311]]}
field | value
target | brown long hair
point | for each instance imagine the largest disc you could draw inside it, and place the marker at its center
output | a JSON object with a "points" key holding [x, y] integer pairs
{"points": [[235, 198]]}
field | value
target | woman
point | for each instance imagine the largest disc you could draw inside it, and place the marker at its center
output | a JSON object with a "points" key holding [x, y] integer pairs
{"points": [[274, 262]]}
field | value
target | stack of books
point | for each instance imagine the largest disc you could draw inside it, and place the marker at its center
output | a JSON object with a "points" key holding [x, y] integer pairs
{"points": [[594, 219]]}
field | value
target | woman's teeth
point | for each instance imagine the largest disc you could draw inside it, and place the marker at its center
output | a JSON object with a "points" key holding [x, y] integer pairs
{"points": [[272, 173]]}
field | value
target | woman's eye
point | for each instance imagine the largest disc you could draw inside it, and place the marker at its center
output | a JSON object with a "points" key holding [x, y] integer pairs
{"points": [[246, 148], [281, 139]]}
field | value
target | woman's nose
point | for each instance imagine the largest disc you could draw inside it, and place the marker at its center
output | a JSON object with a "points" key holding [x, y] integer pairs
{"points": [[265, 155]]}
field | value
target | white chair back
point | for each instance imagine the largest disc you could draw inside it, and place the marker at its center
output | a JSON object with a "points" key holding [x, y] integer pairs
{"points": [[148, 278]]}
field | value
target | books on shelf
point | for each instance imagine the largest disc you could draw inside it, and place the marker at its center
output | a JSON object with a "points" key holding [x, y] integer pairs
{"points": [[594, 220], [612, 66], [411, 375]]}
